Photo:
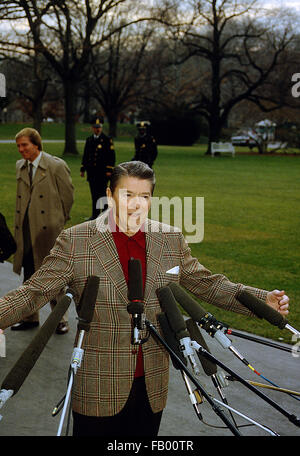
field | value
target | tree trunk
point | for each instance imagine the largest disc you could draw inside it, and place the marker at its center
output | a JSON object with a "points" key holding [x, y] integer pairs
{"points": [[38, 114], [215, 129], [70, 92], [113, 121]]}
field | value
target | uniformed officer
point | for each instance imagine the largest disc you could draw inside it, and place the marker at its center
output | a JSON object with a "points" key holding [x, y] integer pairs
{"points": [[98, 161], [145, 145]]}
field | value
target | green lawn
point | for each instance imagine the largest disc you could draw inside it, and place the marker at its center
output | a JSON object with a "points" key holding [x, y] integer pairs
{"points": [[251, 218]]}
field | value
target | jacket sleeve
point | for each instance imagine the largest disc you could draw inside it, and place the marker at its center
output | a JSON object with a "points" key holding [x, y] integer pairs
{"points": [[215, 289], [45, 284]]}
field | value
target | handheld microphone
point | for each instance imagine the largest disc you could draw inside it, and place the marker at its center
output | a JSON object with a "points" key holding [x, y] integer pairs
{"points": [[198, 314], [262, 310], [27, 360], [177, 324], [136, 298]]}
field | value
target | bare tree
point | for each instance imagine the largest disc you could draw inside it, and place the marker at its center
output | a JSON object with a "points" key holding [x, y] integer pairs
{"points": [[65, 32], [238, 47], [121, 72]]}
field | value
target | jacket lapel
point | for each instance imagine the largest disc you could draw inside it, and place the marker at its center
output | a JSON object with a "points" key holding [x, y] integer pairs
{"points": [[154, 248], [22, 172], [106, 253]]}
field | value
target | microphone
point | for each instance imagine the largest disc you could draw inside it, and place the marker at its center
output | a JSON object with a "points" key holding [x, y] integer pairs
{"points": [[85, 312], [87, 303], [198, 314], [27, 360], [209, 367], [136, 298], [177, 324], [205, 320], [171, 340], [262, 310]]}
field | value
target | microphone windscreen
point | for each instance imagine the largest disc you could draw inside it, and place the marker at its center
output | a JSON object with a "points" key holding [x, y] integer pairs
{"points": [[87, 303], [195, 311], [27, 360], [171, 340], [261, 309], [135, 308], [171, 309], [135, 280], [209, 367]]}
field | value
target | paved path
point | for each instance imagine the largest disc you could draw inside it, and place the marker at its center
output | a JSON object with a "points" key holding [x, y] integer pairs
{"points": [[28, 413]]}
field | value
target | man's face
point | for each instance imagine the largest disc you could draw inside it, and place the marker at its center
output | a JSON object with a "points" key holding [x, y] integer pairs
{"points": [[97, 130], [131, 202], [27, 149]]}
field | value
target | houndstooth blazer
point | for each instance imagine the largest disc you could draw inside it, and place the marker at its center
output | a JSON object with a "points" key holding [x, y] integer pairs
{"points": [[103, 382]]}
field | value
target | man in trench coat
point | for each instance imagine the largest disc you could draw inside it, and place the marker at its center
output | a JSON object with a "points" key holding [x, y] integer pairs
{"points": [[42, 209]]}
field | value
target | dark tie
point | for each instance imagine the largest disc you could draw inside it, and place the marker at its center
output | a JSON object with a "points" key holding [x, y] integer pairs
{"points": [[30, 173]]}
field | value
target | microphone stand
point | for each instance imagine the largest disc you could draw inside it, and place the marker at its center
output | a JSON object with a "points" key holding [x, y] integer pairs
{"points": [[85, 312], [234, 332], [293, 418], [211, 401], [76, 359]]}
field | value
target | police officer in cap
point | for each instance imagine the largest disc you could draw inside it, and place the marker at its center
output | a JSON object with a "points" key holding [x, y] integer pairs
{"points": [[98, 162], [145, 145]]}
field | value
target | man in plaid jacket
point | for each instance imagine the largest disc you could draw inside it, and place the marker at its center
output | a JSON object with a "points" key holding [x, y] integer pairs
{"points": [[118, 389]]}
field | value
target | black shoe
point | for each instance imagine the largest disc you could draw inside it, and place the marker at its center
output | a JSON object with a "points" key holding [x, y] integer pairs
{"points": [[62, 328], [24, 325]]}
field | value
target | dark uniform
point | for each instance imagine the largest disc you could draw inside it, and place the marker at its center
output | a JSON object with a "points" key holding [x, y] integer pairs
{"points": [[145, 145], [98, 160]]}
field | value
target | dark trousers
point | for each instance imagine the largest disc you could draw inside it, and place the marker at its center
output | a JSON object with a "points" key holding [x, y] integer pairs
{"points": [[135, 419], [98, 190]]}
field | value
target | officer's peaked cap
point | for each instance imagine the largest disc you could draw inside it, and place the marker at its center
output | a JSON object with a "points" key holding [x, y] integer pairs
{"points": [[98, 121]]}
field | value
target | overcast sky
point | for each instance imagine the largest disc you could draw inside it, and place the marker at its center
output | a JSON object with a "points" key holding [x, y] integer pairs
{"points": [[283, 3]]}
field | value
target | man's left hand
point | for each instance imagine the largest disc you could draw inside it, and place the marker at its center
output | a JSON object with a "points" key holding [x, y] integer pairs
{"points": [[279, 301]]}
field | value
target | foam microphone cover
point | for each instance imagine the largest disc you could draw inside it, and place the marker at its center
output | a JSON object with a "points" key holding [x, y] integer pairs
{"points": [[87, 303], [209, 367], [171, 309], [171, 340], [261, 309], [135, 280], [27, 360], [195, 311]]}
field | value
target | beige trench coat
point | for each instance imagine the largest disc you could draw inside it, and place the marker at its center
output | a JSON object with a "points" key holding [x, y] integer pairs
{"points": [[50, 204]]}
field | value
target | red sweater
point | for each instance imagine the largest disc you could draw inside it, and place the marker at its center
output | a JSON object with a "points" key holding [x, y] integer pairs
{"points": [[132, 247]]}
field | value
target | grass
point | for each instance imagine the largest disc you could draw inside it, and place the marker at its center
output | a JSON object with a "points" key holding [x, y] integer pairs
{"points": [[251, 206]]}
